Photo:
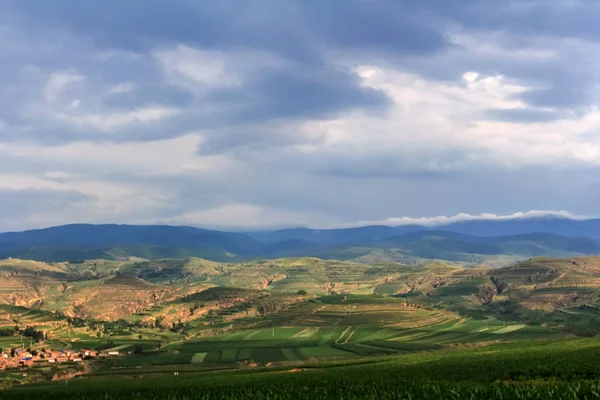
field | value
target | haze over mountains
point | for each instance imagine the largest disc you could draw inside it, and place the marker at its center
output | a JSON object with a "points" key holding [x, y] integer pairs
{"points": [[470, 241]]}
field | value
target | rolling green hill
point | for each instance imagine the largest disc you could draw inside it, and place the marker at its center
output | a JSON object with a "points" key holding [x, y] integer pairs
{"points": [[197, 315]]}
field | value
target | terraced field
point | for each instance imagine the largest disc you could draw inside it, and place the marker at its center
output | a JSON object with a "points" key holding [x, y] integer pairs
{"points": [[337, 328]]}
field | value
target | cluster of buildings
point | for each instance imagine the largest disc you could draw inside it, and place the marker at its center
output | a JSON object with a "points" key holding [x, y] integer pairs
{"points": [[23, 358]]}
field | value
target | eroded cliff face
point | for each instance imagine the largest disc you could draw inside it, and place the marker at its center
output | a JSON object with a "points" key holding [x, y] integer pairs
{"points": [[108, 299], [23, 291], [22, 300]]}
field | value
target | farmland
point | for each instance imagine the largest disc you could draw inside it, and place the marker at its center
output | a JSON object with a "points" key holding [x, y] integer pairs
{"points": [[194, 316], [532, 371]]}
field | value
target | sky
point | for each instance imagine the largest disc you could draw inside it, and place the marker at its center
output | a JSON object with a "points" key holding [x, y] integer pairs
{"points": [[250, 115]]}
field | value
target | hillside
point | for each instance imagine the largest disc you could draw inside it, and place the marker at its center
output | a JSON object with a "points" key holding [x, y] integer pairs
{"points": [[83, 241], [403, 244], [197, 315], [109, 290]]}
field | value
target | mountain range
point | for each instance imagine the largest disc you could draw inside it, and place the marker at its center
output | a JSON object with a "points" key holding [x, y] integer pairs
{"points": [[470, 241]]}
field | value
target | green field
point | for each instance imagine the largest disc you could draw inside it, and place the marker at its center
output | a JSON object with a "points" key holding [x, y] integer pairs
{"points": [[508, 371]]}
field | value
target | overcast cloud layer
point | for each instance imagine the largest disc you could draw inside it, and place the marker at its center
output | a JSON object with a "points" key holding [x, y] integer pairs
{"points": [[275, 113]]}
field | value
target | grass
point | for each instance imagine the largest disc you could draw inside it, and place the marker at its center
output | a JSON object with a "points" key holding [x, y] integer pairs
{"points": [[198, 358], [323, 351], [509, 371], [266, 355], [509, 329]]}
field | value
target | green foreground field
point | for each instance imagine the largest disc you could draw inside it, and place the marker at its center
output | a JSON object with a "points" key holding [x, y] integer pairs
{"points": [[565, 369]]}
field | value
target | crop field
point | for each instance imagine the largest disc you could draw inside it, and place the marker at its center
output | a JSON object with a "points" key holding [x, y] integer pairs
{"points": [[505, 371], [331, 328]]}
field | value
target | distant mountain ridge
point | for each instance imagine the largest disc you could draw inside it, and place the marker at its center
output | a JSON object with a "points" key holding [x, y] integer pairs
{"points": [[556, 237], [493, 227]]}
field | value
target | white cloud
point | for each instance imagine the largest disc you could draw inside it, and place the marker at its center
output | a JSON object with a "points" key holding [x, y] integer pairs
{"points": [[113, 121], [444, 220], [122, 87], [57, 175], [470, 76], [441, 126], [177, 156], [58, 83]]}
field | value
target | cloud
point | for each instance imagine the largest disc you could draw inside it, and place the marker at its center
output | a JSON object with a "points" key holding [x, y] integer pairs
{"points": [[107, 122], [242, 216], [445, 220], [58, 83], [32, 208], [298, 112]]}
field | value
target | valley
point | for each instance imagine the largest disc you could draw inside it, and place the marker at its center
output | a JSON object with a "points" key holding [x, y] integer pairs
{"points": [[192, 315]]}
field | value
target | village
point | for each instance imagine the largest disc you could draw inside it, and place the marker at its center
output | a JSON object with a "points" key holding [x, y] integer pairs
{"points": [[19, 358]]}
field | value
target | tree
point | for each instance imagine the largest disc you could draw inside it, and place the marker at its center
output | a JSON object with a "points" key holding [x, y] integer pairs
{"points": [[140, 336], [7, 332], [301, 292], [12, 352], [138, 350], [33, 333], [34, 353]]}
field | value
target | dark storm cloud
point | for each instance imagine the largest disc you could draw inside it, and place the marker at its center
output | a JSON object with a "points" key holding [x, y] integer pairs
{"points": [[282, 27], [301, 32], [576, 18], [298, 94], [297, 31]]}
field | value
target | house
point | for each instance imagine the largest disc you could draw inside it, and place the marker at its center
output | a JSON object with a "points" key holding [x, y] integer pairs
{"points": [[77, 359], [113, 353], [51, 360], [26, 362]]}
